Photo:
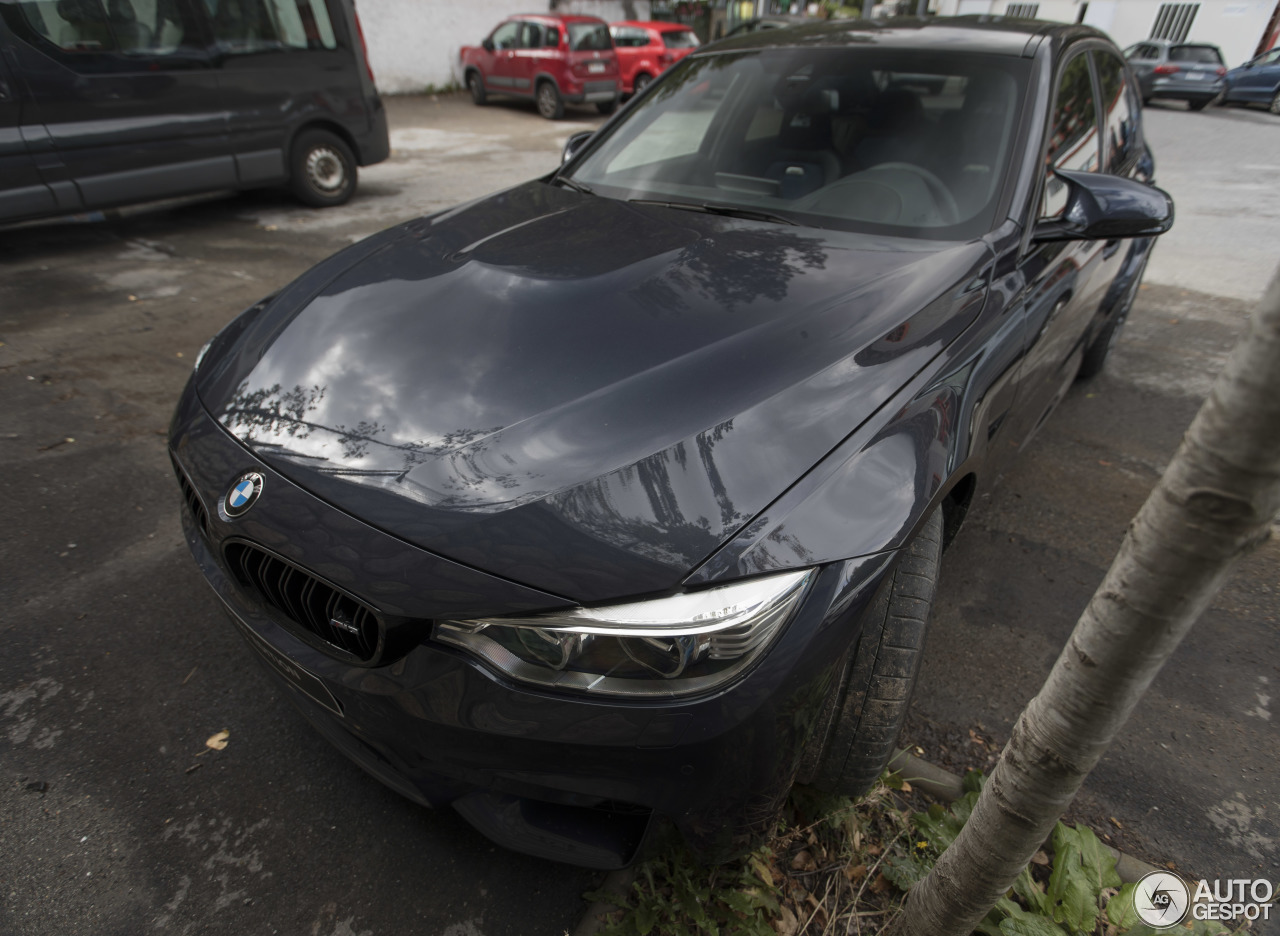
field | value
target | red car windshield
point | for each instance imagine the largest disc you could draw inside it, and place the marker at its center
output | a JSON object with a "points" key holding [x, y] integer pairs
{"points": [[589, 37]]}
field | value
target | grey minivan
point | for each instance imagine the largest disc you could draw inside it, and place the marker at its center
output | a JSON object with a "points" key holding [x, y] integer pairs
{"points": [[108, 102]]}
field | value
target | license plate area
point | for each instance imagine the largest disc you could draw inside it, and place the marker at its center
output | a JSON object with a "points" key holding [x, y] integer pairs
{"points": [[595, 68], [305, 682]]}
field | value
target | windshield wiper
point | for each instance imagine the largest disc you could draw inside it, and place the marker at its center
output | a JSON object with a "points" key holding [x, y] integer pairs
{"points": [[729, 211], [576, 186]]}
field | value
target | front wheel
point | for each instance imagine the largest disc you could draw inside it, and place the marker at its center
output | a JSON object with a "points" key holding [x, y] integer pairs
{"points": [[475, 84], [1275, 103], [641, 82], [865, 712], [550, 104], [322, 169], [1198, 105]]}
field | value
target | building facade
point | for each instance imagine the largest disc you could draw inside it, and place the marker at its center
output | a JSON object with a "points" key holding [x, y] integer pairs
{"points": [[1238, 27]]}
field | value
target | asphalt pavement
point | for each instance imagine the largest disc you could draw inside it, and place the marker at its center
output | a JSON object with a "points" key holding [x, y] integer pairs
{"points": [[118, 665]]}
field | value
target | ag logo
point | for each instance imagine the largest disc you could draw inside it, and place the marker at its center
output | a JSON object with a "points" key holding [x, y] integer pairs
{"points": [[244, 491], [1161, 899]]}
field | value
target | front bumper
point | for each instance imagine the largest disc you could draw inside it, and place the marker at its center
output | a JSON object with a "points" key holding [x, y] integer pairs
{"points": [[564, 777]]}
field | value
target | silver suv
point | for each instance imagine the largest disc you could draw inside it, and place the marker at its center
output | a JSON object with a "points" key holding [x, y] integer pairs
{"points": [[1182, 71]]}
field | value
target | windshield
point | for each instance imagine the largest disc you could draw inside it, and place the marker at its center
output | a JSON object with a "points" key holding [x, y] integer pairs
{"points": [[1195, 53], [866, 140], [589, 37]]}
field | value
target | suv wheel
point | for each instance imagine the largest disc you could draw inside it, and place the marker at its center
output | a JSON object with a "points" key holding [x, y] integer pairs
{"points": [[322, 169], [550, 104], [476, 86], [865, 712], [641, 82]]}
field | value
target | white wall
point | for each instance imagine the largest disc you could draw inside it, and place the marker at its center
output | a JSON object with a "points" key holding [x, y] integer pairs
{"points": [[1235, 26], [414, 43]]}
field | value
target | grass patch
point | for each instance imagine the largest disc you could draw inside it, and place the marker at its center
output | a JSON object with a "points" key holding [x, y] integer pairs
{"points": [[835, 866]]}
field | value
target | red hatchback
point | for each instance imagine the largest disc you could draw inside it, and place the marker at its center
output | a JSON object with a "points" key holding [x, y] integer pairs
{"points": [[646, 50], [552, 59]]}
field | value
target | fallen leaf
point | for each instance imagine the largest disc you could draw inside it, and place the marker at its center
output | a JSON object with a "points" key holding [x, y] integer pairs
{"points": [[881, 885], [856, 873], [787, 924], [906, 787], [1040, 858], [219, 741], [803, 861]]}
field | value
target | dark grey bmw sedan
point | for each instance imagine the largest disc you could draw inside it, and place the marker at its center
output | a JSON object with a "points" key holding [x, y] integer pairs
{"points": [[618, 497]]}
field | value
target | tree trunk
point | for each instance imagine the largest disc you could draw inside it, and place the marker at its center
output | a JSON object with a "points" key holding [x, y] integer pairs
{"points": [[1215, 502]]}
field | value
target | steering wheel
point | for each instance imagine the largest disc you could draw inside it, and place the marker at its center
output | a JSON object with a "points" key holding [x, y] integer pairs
{"points": [[945, 202]]}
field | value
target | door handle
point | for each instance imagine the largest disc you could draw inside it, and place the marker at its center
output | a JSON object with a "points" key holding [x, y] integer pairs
{"points": [[1109, 248]]}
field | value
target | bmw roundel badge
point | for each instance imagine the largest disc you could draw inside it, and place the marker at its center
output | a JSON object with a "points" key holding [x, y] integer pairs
{"points": [[243, 493]]}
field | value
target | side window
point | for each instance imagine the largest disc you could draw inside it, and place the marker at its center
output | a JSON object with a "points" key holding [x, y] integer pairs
{"points": [[551, 38], [1117, 114], [1073, 135], [127, 27], [243, 26], [530, 36], [506, 36]]}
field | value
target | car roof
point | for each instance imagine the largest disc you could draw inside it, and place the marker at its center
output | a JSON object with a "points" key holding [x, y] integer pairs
{"points": [[990, 34], [654, 24], [558, 17]]}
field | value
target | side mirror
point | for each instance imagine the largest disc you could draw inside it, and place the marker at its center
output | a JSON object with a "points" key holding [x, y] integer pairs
{"points": [[1102, 207], [487, 44], [573, 144]]}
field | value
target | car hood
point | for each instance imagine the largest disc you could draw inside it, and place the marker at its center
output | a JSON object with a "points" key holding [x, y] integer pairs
{"points": [[582, 395]]}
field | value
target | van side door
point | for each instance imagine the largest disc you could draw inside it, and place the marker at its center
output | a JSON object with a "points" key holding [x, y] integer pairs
{"points": [[23, 193], [127, 94], [282, 64]]}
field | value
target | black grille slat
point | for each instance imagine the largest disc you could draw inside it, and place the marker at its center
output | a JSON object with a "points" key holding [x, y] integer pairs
{"points": [[305, 600], [194, 504]]}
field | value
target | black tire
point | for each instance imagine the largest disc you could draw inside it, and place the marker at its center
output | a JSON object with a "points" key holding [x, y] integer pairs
{"points": [[550, 103], [607, 107], [641, 82], [1096, 355], [1275, 103], [865, 712], [475, 84], [322, 169], [1199, 105]]}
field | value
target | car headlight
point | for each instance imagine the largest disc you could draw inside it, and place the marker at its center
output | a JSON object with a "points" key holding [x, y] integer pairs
{"points": [[658, 648]]}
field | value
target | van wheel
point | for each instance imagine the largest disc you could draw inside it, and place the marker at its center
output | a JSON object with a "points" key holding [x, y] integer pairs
{"points": [[476, 86], [865, 711], [550, 104], [322, 169]]}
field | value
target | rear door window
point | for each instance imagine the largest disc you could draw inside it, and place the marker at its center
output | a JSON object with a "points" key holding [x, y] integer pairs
{"points": [[683, 39], [246, 26], [590, 37], [1204, 55], [1073, 135]]}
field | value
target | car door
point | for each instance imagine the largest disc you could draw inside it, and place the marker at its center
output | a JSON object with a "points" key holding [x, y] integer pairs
{"points": [[23, 194], [1260, 80], [1062, 283], [528, 58], [127, 94], [502, 72], [279, 64]]}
